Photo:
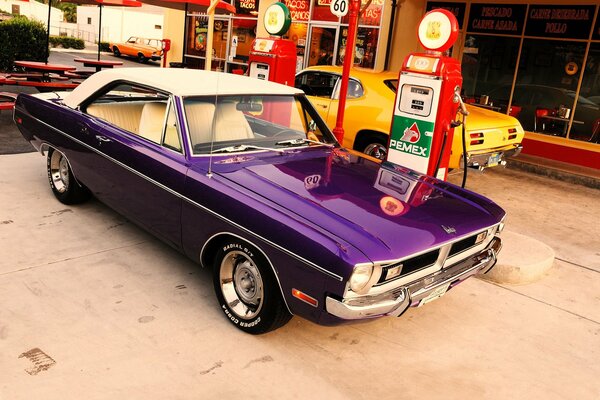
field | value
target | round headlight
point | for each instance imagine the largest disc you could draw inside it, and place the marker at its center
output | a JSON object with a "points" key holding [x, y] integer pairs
{"points": [[360, 277]]}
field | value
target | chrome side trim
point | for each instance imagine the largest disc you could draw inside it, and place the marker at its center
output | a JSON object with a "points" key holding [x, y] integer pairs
{"points": [[259, 249], [190, 201]]}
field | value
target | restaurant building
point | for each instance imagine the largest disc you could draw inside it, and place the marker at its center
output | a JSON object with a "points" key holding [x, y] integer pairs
{"points": [[538, 60]]}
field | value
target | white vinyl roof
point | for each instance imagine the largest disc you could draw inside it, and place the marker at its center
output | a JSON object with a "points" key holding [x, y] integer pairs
{"points": [[178, 81]]}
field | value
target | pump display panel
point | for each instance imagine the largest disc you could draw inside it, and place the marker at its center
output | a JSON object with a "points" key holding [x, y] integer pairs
{"points": [[416, 100]]}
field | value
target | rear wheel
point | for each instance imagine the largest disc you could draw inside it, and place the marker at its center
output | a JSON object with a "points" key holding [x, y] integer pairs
{"points": [[372, 143], [116, 51], [376, 149], [247, 290], [64, 186]]}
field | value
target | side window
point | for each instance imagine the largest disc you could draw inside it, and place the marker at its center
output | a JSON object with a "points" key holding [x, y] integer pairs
{"points": [[172, 139], [355, 89], [318, 84], [139, 110]]}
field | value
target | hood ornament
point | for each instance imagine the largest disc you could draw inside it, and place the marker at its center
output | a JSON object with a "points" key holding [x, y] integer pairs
{"points": [[448, 229]]}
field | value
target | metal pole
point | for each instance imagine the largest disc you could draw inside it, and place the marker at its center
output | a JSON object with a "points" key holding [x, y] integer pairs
{"points": [[48, 33], [99, 31], [338, 131], [185, 32], [209, 35]]}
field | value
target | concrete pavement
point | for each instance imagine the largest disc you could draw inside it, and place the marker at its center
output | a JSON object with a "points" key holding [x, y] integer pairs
{"points": [[95, 308]]}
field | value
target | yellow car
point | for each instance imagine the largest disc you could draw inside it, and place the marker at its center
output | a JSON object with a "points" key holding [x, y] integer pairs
{"points": [[141, 48], [491, 136]]}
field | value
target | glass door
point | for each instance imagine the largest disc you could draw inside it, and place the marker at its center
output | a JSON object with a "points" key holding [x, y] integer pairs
{"points": [[322, 45]]}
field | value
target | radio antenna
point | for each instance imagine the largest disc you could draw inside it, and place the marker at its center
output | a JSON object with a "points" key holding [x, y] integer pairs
{"points": [[213, 126]]}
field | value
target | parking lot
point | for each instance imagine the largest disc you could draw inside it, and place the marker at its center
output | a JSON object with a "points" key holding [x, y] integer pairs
{"points": [[95, 308]]}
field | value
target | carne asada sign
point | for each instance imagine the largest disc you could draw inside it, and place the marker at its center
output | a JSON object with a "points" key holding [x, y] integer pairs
{"points": [[497, 18]]}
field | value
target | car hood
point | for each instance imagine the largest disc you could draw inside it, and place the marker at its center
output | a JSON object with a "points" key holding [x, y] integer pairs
{"points": [[386, 212], [481, 119]]}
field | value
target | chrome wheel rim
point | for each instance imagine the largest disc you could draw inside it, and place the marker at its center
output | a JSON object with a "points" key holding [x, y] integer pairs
{"points": [[376, 150], [241, 285], [59, 171]]}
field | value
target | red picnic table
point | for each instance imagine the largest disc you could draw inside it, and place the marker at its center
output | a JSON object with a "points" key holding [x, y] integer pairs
{"points": [[44, 68], [43, 76], [98, 64]]}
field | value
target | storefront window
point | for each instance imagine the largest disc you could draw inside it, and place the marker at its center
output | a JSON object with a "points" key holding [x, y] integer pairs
{"points": [[366, 46], [297, 34], [196, 37], [322, 42], [488, 66], [546, 84], [232, 40], [322, 12], [371, 15], [243, 32], [586, 121]]}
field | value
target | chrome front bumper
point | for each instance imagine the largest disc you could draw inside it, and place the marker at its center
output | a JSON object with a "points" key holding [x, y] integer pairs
{"points": [[481, 161], [395, 302]]}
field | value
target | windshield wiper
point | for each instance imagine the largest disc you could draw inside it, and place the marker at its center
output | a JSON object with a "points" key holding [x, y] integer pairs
{"points": [[301, 141], [243, 147]]}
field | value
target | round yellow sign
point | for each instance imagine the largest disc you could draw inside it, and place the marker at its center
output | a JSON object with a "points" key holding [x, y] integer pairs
{"points": [[571, 68]]}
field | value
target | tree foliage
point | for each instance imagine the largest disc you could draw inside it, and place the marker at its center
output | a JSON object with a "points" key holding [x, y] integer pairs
{"points": [[21, 39]]}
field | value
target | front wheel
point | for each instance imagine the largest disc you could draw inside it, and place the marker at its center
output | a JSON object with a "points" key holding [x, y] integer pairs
{"points": [[247, 290], [142, 58], [64, 186]]}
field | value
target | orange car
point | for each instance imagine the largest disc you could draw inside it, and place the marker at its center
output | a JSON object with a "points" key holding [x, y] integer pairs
{"points": [[141, 48]]}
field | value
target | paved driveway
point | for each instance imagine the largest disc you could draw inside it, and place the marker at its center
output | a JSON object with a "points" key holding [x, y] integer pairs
{"points": [[95, 308]]}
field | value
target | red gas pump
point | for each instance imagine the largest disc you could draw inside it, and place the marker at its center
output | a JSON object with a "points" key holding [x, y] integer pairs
{"points": [[166, 48], [274, 59], [427, 99]]}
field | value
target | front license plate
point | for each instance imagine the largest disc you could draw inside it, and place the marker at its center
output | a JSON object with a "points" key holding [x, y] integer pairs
{"points": [[494, 159], [436, 294]]}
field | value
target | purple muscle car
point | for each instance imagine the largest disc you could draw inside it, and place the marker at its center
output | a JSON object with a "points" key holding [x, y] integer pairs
{"points": [[244, 177]]}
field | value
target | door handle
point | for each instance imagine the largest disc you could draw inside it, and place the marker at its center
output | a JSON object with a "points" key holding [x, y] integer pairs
{"points": [[323, 105], [103, 139]]}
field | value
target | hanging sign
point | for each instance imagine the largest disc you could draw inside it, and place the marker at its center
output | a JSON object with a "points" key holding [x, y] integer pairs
{"points": [[497, 19], [339, 7], [565, 22], [458, 9]]}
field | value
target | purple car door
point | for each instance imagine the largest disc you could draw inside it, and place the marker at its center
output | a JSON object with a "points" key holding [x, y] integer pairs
{"points": [[138, 164]]}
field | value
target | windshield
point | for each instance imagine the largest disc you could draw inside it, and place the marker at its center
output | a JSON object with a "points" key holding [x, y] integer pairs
{"points": [[257, 122]]}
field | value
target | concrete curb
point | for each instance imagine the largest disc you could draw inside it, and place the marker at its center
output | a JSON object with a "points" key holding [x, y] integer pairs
{"points": [[554, 173], [522, 260], [82, 51]]}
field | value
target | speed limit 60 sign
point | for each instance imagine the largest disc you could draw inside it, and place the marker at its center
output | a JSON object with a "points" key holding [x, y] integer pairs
{"points": [[339, 7]]}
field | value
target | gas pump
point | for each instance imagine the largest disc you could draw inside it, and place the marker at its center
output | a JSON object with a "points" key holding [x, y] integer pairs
{"points": [[274, 59], [427, 99], [166, 47]]}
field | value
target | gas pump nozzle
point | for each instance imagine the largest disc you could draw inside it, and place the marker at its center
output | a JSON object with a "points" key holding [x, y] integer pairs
{"points": [[463, 110]]}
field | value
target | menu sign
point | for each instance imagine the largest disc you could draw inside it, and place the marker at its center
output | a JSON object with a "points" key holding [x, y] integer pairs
{"points": [[572, 22], [458, 9], [505, 19], [299, 9]]}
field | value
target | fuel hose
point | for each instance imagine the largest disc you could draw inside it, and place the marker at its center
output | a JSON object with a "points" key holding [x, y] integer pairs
{"points": [[464, 150]]}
